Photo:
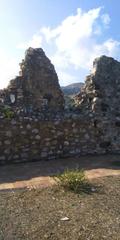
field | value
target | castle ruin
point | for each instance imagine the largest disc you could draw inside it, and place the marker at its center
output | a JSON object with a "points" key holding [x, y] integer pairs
{"points": [[34, 124]]}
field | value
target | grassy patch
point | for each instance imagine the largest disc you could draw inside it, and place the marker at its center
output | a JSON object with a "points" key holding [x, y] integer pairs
{"points": [[74, 180]]}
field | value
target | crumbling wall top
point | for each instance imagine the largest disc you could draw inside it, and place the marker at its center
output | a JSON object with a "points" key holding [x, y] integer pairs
{"points": [[101, 92], [37, 86]]}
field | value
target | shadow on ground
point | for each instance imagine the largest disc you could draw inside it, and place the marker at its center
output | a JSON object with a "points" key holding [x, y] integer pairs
{"points": [[27, 171]]}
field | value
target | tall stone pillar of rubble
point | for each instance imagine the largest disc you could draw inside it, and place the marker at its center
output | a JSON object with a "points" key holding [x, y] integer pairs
{"points": [[37, 85], [100, 95]]}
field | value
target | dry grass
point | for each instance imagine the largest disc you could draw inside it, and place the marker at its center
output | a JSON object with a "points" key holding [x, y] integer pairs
{"points": [[74, 180]]}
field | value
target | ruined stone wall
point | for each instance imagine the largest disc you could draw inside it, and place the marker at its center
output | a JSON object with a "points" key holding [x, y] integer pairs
{"points": [[91, 127], [37, 86], [28, 139]]}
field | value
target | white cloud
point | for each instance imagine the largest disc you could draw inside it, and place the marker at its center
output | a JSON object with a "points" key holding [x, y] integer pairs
{"points": [[73, 39], [109, 48], [9, 68], [113, 47], [50, 33], [106, 19], [73, 45], [72, 30], [35, 42], [9, 65], [67, 78], [77, 44]]}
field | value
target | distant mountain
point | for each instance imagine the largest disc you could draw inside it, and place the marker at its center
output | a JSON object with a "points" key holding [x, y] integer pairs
{"points": [[72, 89]]}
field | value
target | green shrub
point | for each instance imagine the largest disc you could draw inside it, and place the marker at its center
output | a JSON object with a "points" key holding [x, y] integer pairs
{"points": [[8, 113], [74, 180]]}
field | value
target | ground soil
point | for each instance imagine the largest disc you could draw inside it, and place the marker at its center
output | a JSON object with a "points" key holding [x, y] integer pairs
{"points": [[32, 205]]}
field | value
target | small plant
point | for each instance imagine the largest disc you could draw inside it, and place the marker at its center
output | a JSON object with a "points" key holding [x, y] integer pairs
{"points": [[74, 180], [8, 113]]}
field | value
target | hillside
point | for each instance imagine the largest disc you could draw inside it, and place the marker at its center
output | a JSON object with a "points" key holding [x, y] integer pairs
{"points": [[72, 89]]}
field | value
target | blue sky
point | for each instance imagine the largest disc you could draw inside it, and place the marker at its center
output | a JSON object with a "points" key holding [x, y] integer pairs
{"points": [[72, 33]]}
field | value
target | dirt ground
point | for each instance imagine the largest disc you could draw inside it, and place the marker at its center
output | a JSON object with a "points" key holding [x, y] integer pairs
{"points": [[32, 207]]}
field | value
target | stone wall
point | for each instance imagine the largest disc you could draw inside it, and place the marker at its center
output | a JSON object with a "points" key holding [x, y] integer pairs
{"points": [[91, 127], [100, 95], [37, 86], [30, 139]]}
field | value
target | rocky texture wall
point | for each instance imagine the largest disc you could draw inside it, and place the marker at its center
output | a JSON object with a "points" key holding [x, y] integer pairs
{"points": [[36, 87], [100, 95], [92, 127], [30, 139]]}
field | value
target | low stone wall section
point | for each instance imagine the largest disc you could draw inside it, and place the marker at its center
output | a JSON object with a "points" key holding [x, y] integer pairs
{"points": [[30, 139]]}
